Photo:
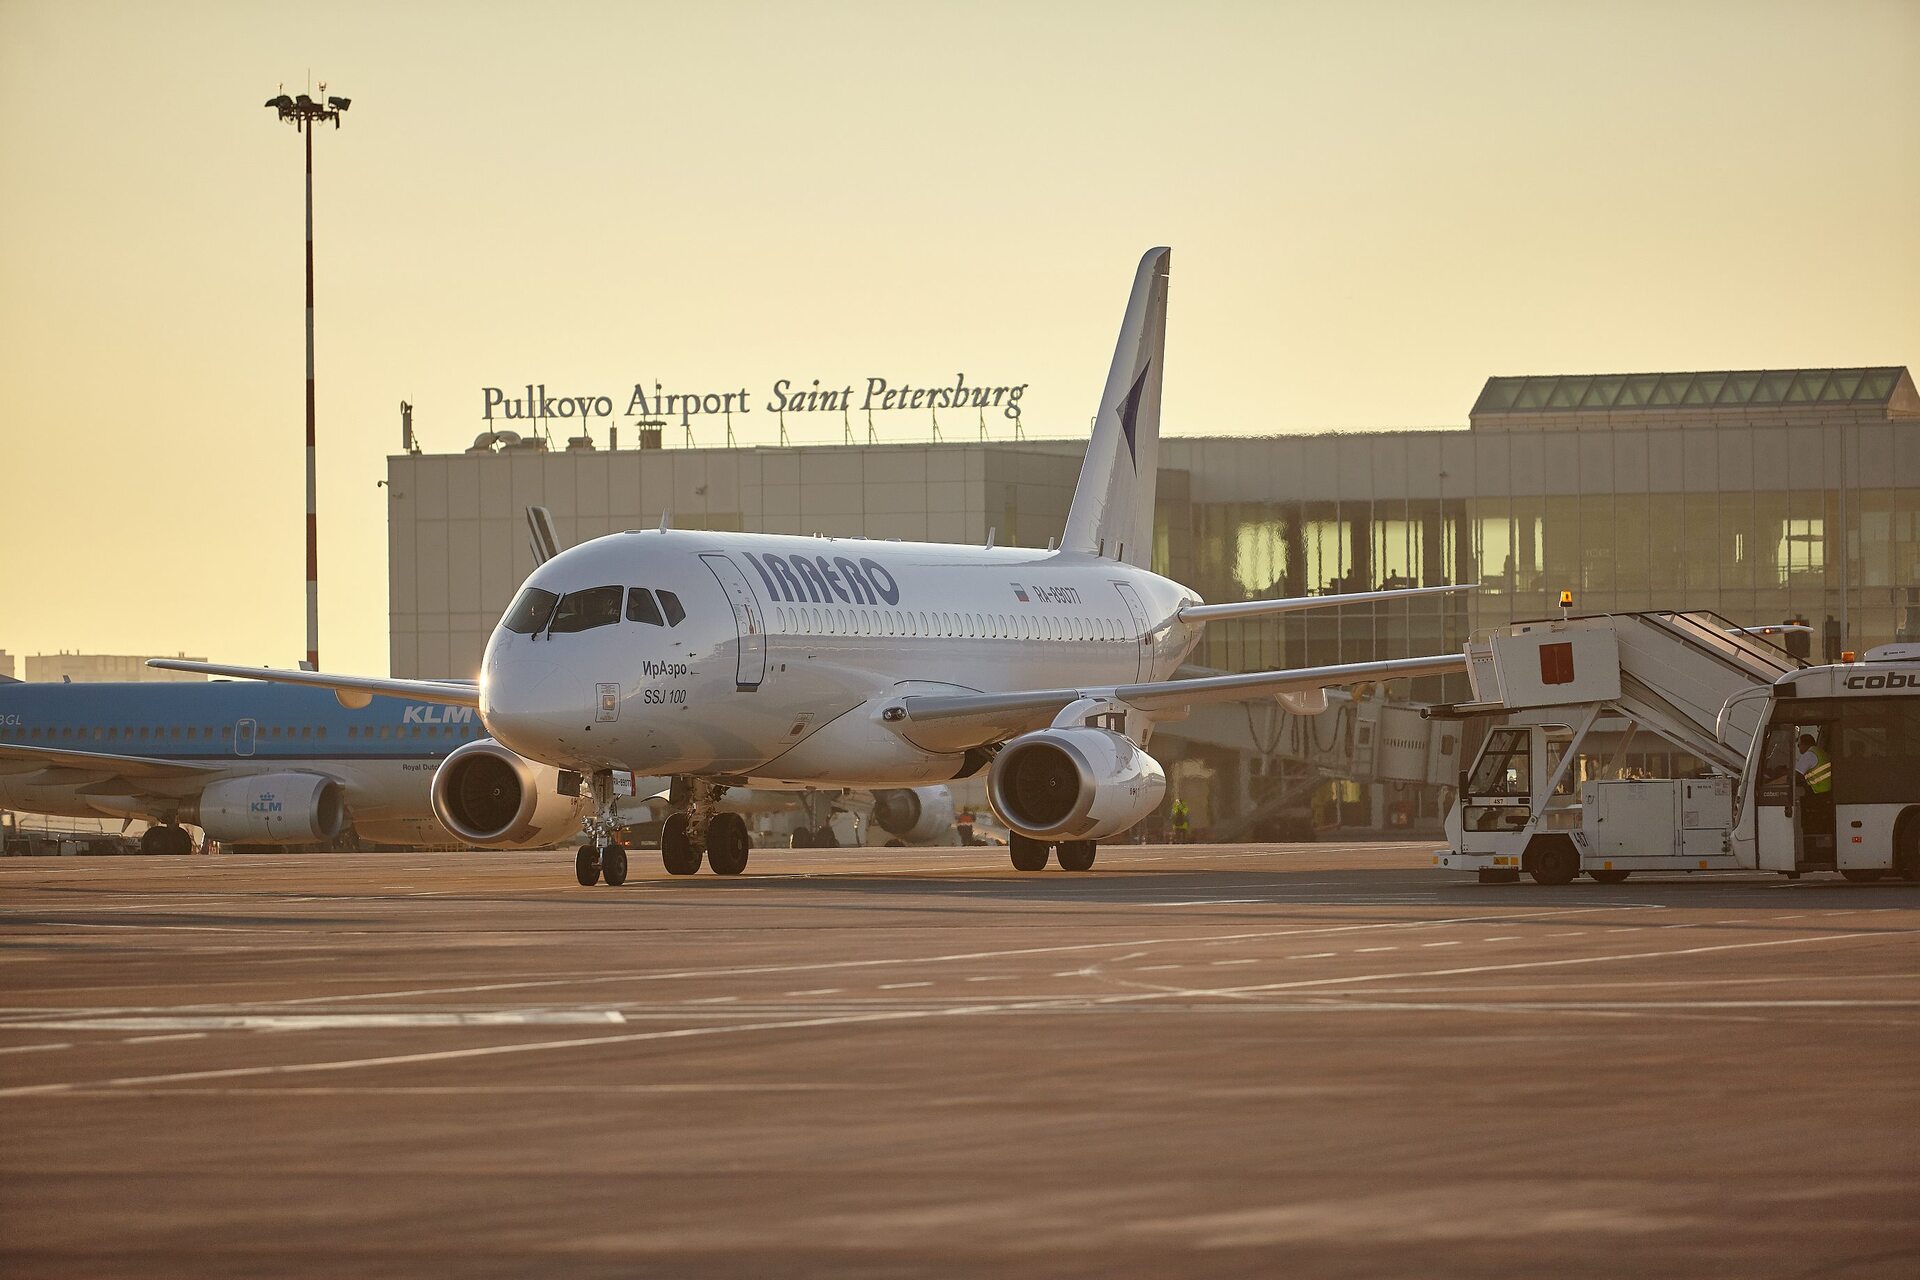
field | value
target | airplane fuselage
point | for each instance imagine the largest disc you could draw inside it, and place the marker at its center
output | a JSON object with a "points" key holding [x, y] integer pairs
{"points": [[789, 647]]}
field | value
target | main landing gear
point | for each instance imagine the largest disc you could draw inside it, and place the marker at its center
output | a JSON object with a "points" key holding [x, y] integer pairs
{"points": [[1029, 854], [698, 831], [169, 839]]}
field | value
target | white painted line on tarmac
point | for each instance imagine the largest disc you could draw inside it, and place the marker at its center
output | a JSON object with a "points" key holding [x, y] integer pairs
{"points": [[821, 991], [1366, 950], [1505, 937], [1206, 902], [1454, 943], [1219, 963], [902, 986], [1318, 955], [33, 1048], [184, 1035], [326, 1021]]}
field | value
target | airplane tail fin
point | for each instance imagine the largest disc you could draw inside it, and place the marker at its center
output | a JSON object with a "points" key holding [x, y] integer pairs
{"points": [[1112, 512]]}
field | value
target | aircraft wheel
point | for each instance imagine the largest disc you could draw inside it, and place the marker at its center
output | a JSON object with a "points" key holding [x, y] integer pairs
{"points": [[613, 865], [896, 843], [586, 865], [154, 841], [1609, 877], [1864, 875], [727, 844], [1076, 855], [1555, 863], [1028, 854], [823, 838], [802, 838], [677, 853]]}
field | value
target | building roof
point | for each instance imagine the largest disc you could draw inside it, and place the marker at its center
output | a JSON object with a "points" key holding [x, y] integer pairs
{"points": [[1678, 392]]}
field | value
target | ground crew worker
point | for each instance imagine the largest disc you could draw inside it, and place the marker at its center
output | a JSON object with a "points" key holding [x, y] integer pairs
{"points": [[963, 822], [1815, 768], [1181, 821]]}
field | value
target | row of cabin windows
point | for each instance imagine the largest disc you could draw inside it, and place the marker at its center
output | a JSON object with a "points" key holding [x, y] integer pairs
{"points": [[196, 733], [538, 611], [978, 626]]}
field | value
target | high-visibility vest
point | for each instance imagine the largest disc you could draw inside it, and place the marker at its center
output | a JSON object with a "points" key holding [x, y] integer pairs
{"points": [[1820, 777], [1179, 813]]}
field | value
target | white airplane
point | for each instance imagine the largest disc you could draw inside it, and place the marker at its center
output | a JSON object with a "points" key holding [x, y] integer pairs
{"points": [[764, 660]]}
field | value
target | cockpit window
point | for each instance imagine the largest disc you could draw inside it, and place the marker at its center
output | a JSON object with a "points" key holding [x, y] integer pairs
{"points": [[585, 610], [530, 612], [671, 603], [641, 608]]}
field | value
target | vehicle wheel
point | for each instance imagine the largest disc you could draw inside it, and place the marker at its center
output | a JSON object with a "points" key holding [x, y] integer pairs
{"points": [[1027, 854], [727, 844], [803, 837], [1907, 859], [1609, 877], [1864, 875], [586, 865], [677, 853], [613, 865], [823, 838], [1555, 862], [1076, 855]]}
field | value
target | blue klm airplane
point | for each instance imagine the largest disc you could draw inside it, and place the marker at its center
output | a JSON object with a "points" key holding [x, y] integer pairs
{"points": [[261, 764]]}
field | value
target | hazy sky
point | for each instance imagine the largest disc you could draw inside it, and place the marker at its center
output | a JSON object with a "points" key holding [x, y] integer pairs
{"points": [[1373, 207]]}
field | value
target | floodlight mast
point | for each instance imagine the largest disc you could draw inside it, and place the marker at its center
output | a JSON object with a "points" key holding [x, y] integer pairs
{"points": [[303, 113]]}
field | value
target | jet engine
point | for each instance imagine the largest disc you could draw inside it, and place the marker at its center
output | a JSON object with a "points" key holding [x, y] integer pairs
{"points": [[1076, 783], [487, 795], [272, 808], [916, 815]]}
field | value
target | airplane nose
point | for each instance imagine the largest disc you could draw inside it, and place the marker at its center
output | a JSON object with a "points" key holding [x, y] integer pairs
{"points": [[517, 704]]}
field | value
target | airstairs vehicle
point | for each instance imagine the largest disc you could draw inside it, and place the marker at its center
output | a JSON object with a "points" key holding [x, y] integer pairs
{"points": [[1540, 800]]}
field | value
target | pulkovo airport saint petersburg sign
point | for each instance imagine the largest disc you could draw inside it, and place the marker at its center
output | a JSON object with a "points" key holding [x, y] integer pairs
{"points": [[534, 402]]}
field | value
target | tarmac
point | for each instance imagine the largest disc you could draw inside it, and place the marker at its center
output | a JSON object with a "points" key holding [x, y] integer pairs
{"points": [[1313, 1060]]}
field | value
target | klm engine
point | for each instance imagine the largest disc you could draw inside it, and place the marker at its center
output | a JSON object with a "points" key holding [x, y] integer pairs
{"points": [[1074, 784], [487, 795], [917, 815], [273, 808]]}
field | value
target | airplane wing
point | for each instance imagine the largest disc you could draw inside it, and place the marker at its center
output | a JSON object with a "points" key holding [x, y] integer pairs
{"points": [[949, 722], [17, 759], [353, 691], [1293, 604]]}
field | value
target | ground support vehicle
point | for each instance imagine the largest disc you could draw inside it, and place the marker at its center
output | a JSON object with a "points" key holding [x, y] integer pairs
{"points": [[1538, 800]]}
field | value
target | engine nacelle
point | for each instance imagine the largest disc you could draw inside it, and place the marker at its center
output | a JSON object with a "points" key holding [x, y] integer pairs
{"points": [[486, 795], [1074, 784], [272, 808], [917, 815]]}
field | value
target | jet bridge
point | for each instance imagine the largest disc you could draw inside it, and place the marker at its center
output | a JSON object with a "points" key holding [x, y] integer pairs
{"points": [[1524, 805]]}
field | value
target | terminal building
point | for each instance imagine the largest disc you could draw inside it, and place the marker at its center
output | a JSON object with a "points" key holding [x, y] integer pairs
{"points": [[1762, 496]]}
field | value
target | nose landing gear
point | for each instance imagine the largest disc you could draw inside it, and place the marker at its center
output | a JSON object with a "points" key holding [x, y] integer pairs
{"points": [[602, 856]]}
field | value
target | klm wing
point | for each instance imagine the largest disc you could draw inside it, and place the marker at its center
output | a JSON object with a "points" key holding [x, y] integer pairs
{"points": [[16, 759], [353, 691], [951, 722]]}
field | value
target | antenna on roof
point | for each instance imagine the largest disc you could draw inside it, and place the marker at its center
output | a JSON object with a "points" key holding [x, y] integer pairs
{"points": [[666, 521], [990, 535]]}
